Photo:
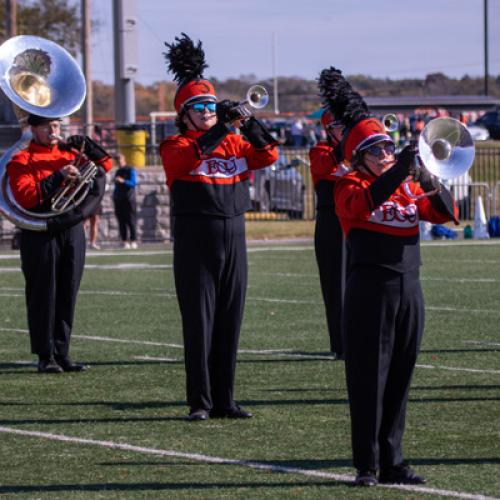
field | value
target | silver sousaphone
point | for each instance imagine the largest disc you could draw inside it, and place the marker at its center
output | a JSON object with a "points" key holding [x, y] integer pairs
{"points": [[39, 77]]}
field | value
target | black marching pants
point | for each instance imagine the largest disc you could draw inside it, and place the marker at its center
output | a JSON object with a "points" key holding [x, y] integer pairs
{"points": [[210, 269], [330, 255], [52, 265], [126, 214], [383, 321]]}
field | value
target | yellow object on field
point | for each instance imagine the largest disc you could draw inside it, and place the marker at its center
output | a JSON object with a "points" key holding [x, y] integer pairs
{"points": [[132, 144]]}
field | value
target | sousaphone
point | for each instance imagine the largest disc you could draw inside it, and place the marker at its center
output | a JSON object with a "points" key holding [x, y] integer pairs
{"points": [[39, 77]]}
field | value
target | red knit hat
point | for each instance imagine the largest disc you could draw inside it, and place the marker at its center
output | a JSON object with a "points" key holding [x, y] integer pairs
{"points": [[187, 62], [363, 135]]}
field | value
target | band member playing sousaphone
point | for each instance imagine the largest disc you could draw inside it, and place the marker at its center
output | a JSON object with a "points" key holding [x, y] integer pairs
{"points": [[379, 206], [54, 185], [207, 168], [53, 260], [326, 169]]}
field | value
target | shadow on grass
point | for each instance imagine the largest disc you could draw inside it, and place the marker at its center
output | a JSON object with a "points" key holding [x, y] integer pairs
{"points": [[58, 488]]}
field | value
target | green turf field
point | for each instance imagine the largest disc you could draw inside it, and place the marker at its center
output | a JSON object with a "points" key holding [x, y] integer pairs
{"points": [[118, 430]]}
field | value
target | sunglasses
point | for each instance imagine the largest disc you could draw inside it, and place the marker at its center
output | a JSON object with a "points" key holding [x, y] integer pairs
{"points": [[376, 150], [199, 107]]}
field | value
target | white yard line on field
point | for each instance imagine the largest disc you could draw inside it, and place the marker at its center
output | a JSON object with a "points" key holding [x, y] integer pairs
{"points": [[152, 358], [198, 457], [481, 342], [288, 353], [454, 369]]}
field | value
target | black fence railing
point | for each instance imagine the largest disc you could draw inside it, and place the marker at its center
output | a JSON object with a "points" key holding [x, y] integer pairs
{"points": [[285, 190]]}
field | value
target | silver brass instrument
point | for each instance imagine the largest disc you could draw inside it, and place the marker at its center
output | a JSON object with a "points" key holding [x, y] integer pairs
{"points": [[257, 97], [446, 148], [73, 193], [390, 122], [39, 77]]}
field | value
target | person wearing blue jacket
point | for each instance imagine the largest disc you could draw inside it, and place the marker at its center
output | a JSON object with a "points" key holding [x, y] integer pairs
{"points": [[125, 202]]}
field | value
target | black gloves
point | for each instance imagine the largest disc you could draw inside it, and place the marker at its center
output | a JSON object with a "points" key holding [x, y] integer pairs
{"points": [[228, 111], [50, 185], [91, 149], [86, 208], [207, 142], [257, 134], [388, 182], [428, 181]]}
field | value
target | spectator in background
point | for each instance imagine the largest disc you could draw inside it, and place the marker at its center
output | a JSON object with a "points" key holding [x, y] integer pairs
{"points": [[125, 201], [297, 132], [92, 225]]}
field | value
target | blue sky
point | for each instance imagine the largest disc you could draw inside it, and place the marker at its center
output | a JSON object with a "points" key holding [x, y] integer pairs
{"points": [[380, 38]]}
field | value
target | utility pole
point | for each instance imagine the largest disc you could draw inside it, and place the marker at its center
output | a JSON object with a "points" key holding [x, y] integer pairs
{"points": [[485, 47], [10, 18], [86, 59], [125, 56], [275, 77]]}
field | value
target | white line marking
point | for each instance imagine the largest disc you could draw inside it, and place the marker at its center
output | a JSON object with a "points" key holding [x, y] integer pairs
{"points": [[128, 266], [152, 358], [480, 342], [461, 280], [273, 352], [197, 457], [451, 368]]}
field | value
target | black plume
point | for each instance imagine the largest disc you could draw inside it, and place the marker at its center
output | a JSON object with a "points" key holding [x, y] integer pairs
{"points": [[340, 98], [185, 59]]}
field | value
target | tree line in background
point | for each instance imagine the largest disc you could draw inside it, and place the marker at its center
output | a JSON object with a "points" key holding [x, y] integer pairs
{"points": [[59, 20], [296, 95]]}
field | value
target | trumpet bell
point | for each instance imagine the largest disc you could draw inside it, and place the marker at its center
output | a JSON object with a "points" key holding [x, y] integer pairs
{"points": [[257, 97], [40, 77], [390, 122], [446, 148]]}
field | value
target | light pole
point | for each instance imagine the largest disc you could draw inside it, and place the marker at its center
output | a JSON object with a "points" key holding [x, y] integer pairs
{"points": [[485, 47], [86, 47]]}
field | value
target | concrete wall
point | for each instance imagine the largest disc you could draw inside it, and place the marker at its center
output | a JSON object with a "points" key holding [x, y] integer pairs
{"points": [[153, 211]]}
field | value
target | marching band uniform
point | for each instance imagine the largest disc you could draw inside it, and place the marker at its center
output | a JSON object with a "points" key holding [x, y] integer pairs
{"points": [[328, 239], [53, 260], [207, 173], [383, 318]]}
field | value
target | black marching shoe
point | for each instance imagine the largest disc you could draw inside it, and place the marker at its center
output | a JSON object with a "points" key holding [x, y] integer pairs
{"points": [[197, 415], [366, 478], [400, 474], [235, 412], [48, 365], [68, 366]]}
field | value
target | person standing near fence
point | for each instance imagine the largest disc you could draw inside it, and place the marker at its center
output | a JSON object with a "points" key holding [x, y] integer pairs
{"points": [[326, 168], [379, 206], [125, 202], [207, 166]]}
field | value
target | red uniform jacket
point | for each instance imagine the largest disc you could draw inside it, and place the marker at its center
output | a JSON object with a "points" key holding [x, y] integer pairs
{"points": [[386, 235], [30, 166], [325, 170], [216, 184]]}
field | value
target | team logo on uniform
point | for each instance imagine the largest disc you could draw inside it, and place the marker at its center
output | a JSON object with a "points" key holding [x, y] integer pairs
{"points": [[221, 167], [394, 214]]}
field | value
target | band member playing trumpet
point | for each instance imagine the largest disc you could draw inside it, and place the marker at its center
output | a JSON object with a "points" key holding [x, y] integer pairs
{"points": [[379, 207], [326, 169], [206, 167], [52, 261]]}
